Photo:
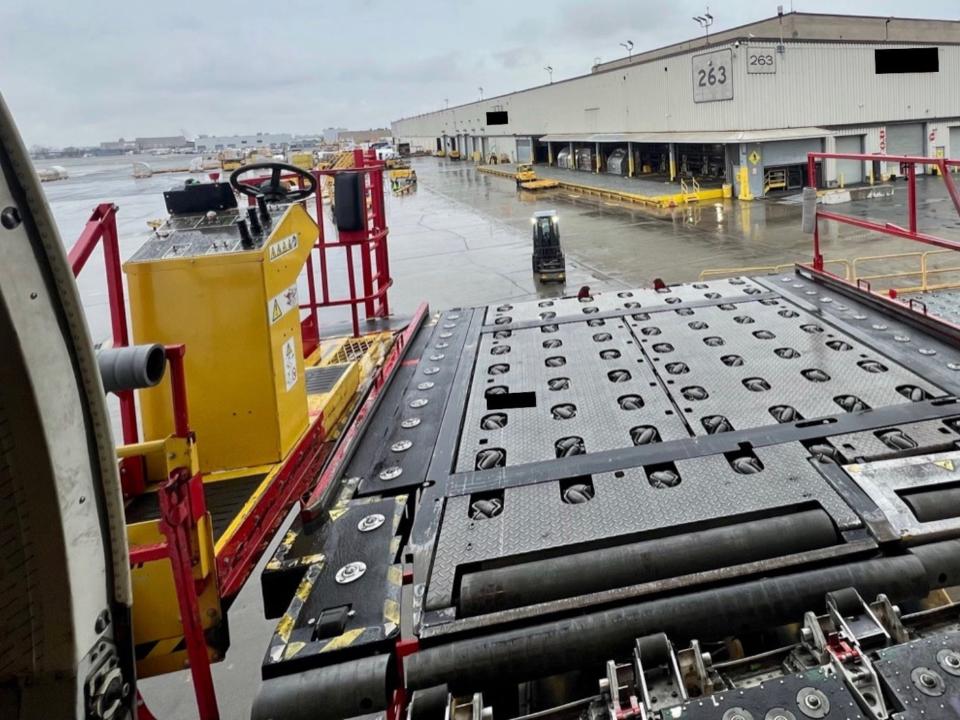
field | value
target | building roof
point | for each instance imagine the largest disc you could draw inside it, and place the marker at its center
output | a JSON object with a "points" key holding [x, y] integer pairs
{"points": [[708, 137], [813, 27]]}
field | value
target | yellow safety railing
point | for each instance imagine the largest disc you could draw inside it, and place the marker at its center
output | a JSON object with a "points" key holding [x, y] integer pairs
{"points": [[774, 180], [769, 269], [923, 272], [923, 275]]}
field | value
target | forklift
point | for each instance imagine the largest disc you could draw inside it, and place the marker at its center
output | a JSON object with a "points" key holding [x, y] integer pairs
{"points": [[549, 263]]}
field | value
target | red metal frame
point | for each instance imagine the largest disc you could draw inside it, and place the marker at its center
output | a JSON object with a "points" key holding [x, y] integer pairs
{"points": [[182, 504], [181, 507], [370, 241], [909, 163], [311, 504], [236, 559], [101, 228]]}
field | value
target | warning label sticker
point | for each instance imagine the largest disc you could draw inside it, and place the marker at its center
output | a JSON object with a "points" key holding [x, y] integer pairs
{"points": [[282, 303], [283, 246], [289, 352]]}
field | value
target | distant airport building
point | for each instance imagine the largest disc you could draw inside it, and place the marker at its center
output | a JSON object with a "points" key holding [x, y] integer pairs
{"points": [[117, 147], [743, 106], [207, 143], [172, 142], [360, 137]]}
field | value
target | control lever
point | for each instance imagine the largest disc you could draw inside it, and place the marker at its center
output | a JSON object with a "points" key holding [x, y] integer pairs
{"points": [[265, 218], [245, 239], [254, 221]]}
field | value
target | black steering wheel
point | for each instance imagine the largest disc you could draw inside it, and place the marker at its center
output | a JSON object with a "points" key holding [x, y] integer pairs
{"points": [[272, 188]]}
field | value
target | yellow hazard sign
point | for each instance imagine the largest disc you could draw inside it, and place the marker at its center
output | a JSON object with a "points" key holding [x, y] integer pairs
{"points": [[282, 303], [754, 157], [945, 464]]}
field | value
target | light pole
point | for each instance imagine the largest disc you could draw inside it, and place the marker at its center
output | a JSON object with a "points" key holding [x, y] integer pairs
{"points": [[549, 70], [705, 21], [446, 103], [628, 46], [481, 92]]}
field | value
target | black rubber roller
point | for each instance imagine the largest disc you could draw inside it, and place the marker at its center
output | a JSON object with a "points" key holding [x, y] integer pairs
{"points": [[429, 704], [934, 504], [586, 640], [329, 693], [527, 583]]}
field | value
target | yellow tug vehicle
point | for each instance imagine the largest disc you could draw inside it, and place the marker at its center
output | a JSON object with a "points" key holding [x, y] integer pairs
{"points": [[222, 367], [526, 178]]}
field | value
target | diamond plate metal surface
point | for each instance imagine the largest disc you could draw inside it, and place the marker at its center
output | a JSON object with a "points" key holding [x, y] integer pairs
{"points": [[942, 303], [586, 403], [752, 356], [869, 444], [640, 300], [535, 518]]}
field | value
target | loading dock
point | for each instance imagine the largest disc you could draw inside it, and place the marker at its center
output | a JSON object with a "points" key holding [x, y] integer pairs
{"points": [[766, 160]]}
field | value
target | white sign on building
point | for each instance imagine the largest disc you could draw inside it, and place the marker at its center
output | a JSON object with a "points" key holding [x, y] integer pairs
{"points": [[713, 76]]}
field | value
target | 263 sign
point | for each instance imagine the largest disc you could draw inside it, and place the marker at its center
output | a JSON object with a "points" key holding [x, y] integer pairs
{"points": [[712, 79], [761, 60]]}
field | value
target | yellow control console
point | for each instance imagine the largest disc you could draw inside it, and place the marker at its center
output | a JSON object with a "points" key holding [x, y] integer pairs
{"points": [[224, 283]]}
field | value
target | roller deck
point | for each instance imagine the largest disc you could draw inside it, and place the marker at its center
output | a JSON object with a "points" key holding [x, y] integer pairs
{"points": [[542, 483]]}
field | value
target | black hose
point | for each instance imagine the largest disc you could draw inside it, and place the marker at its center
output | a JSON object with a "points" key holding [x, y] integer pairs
{"points": [[595, 570]]}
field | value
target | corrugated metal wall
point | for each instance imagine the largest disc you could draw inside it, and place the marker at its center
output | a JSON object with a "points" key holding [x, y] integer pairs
{"points": [[814, 84]]}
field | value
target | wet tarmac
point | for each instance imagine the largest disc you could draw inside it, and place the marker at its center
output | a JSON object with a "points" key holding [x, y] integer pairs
{"points": [[463, 238]]}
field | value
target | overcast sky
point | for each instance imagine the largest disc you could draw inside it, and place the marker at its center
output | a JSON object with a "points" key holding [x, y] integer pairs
{"points": [[82, 71]]}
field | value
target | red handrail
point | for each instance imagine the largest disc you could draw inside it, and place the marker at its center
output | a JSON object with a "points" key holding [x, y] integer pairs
{"points": [[370, 241], [909, 165]]}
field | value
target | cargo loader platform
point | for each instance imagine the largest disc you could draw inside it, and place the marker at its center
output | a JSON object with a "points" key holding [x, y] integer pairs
{"points": [[736, 499], [539, 473]]}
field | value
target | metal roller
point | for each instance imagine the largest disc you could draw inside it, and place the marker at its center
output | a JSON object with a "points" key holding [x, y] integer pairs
{"points": [[429, 704], [580, 573], [335, 692], [131, 368], [934, 504], [525, 653]]}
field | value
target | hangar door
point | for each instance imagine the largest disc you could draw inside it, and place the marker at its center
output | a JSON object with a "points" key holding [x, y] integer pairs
{"points": [[524, 150], [954, 151], [789, 152], [905, 139], [785, 163], [852, 170]]}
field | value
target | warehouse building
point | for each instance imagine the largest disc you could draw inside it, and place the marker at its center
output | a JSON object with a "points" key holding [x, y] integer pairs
{"points": [[743, 107]]}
